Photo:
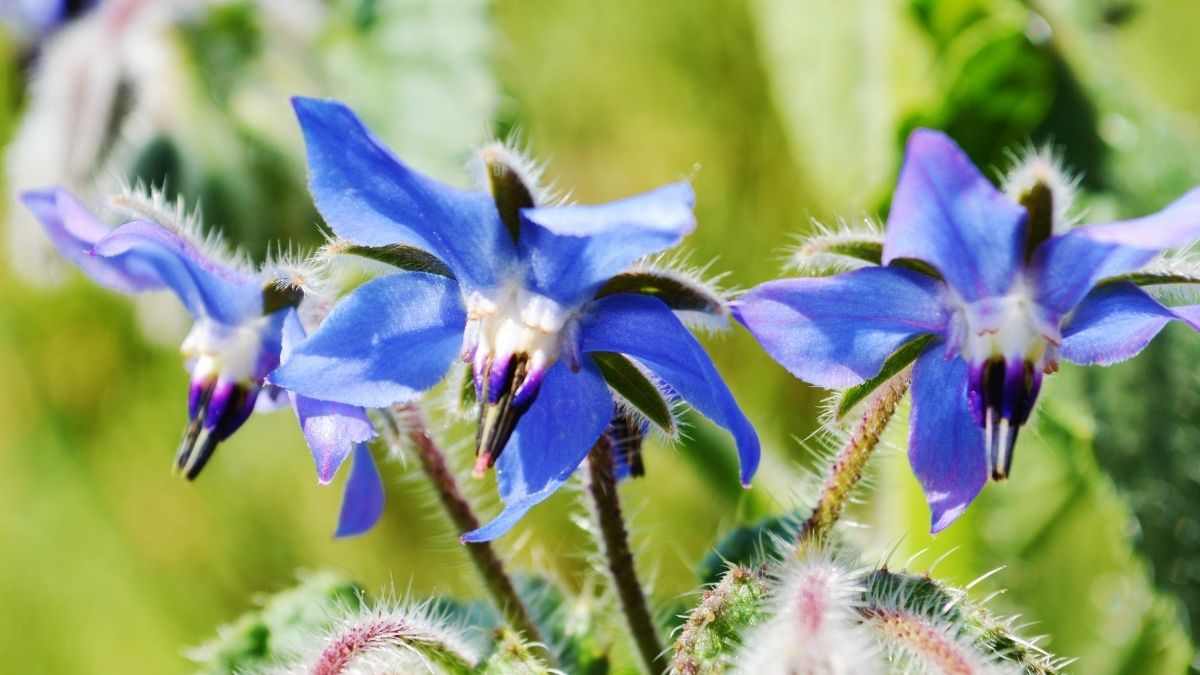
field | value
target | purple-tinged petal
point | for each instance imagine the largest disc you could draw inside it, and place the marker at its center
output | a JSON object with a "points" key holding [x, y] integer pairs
{"points": [[370, 197], [570, 251], [332, 430], [1113, 323], [837, 331], [945, 446], [1065, 268], [947, 214], [550, 441], [205, 287], [362, 503], [646, 329], [74, 230], [389, 340]]}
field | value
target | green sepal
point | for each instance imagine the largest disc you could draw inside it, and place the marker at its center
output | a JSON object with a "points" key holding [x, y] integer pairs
{"points": [[510, 193], [867, 250], [408, 258], [276, 297], [677, 293], [895, 363], [1156, 278], [633, 386]]}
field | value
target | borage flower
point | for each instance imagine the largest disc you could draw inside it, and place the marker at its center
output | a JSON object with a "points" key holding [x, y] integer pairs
{"points": [[996, 288], [538, 299], [243, 320]]}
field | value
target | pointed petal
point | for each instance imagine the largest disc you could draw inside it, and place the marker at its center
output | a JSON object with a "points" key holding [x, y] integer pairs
{"points": [[571, 251], [332, 430], [75, 230], [945, 446], [389, 340], [838, 331], [553, 437], [205, 287], [362, 503], [1065, 268], [370, 197], [947, 214], [1113, 323], [646, 329]]}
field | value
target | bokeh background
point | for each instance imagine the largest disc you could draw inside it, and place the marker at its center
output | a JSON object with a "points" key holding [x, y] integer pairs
{"points": [[780, 111]]}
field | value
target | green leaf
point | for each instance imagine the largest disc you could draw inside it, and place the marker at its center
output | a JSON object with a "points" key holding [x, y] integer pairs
{"points": [[630, 383], [747, 546], [896, 362], [677, 292], [408, 258]]}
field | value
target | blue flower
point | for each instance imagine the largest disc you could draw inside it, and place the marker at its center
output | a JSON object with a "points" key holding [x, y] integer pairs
{"points": [[531, 296], [242, 324], [1002, 295]]}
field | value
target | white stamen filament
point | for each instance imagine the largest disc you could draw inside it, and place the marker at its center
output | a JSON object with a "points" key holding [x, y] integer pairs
{"points": [[229, 353]]}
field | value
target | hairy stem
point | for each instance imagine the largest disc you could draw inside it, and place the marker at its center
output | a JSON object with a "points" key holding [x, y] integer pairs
{"points": [[851, 461], [614, 539], [406, 419]]}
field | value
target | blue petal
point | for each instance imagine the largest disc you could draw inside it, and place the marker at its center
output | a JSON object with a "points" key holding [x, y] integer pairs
{"points": [[369, 196], [332, 430], [570, 251], [947, 214], [837, 331], [646, 329], [945, 446], [74, 230], [362, 503], [389, 340], [1065, 268], [550, 441], [205, 287], [1113, 323]]}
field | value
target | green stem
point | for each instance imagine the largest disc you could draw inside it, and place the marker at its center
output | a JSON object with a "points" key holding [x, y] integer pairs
{"points": [[851, 461], [602, 486], [406, 419]]}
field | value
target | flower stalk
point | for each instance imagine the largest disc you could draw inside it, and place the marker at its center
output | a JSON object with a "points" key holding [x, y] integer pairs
{"points": [[614, 539], [851, 461], [406, 420]]}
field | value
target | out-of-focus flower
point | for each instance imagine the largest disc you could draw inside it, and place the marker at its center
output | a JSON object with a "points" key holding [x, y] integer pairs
{"points": [[1003, 287], [532, 296], [92, 77], [243, 321]]}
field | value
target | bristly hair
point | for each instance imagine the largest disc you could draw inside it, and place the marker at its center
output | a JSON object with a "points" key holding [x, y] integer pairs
{"points": [[1044, 164], [147, 202], [513, 152], [814, 624], [294, 268], [676, 265], [389, 635], [1172, 278], [830, 249]]}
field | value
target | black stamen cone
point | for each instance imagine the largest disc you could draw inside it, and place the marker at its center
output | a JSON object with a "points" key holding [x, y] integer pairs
{"points": [[1008, 390], [498, 420]]}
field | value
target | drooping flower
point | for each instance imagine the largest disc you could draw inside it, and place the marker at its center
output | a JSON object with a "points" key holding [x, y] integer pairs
{"points": [[538, 299], [243, 321], [997, 287]]}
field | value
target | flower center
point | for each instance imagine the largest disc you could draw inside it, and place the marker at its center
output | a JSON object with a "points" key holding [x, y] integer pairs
{"points": [[511, 341], [1007, 344], [227, 365]]}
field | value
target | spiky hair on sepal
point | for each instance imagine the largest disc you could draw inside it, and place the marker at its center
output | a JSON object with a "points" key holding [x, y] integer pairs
{"points": [[831, 249], [1043, 167], [387, 636]]}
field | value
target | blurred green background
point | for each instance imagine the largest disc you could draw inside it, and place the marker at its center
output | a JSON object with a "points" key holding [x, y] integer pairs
{"points": [[780, 111]]}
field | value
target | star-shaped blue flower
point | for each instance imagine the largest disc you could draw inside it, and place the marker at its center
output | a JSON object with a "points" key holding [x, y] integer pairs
{"points": [[1002, 300], [516, 290], [242, 324]]}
